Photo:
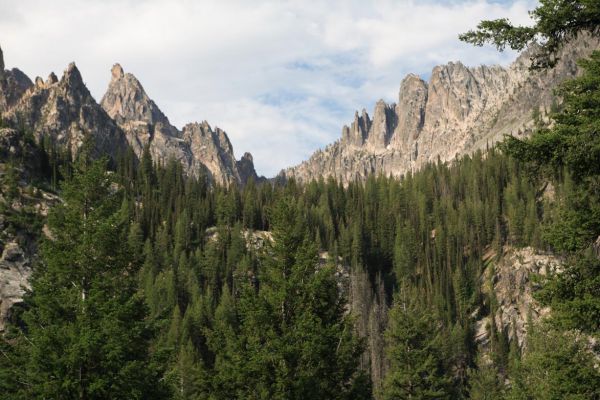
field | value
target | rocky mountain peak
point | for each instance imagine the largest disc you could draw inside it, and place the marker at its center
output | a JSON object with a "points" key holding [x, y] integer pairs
{"points": [[460, 110], [72, 78], [200, 148], [52, 79], [247, 157], [356, 134], [224, 141], [13, 84], [65, 111], [382, 125], [410, 110], [117, 71], [245, 168], [127, 102]]}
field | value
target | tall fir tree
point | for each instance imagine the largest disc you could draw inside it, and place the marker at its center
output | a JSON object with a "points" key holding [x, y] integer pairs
{"points": [[293, 338], [86, 334], [415, 353]]}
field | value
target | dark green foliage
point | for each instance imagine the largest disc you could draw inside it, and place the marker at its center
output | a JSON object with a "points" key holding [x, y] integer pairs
{"points": [[85, 330], [156, 285], [415, 352], [558, 362], [485, 383], [557, 365], [235, 315], [571, 148], [217, 304], [11, 182], [555, 21], [572, 142], [288, 337], [574, 295]]}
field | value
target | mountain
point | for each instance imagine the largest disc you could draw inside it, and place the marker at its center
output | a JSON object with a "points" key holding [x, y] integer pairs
{"points": [[13, 83], [460, 110], [65, 111], [197, 146]]}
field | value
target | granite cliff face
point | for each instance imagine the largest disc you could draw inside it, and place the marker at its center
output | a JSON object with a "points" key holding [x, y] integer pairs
{"points": [[197, 146], [511, 279], [460, 110], [65, 111], [13, 83], [20, 219]]}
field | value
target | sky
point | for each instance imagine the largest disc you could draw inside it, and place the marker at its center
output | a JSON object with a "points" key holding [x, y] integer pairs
{"points": [[280, 77]]}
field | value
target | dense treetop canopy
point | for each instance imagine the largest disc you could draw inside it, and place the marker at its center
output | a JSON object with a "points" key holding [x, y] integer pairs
{"points": [[554, 22]]}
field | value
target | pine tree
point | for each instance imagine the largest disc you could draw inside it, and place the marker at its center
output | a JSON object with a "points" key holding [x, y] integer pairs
{"points": [[556, 365], [11, 180], [415, 353], [554, 22], [293, 339], [86, 333], [485, 383]]}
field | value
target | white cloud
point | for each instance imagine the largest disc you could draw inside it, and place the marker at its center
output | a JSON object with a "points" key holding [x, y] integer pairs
{"points": [[281, 77]]}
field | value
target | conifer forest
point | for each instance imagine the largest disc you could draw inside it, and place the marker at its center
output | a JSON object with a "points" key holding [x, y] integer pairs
{"points": [[149, 282]]}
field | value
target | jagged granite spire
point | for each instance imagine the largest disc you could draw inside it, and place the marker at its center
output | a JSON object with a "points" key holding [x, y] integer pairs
{"points": [[126, 101], [200, 148], [66, 111], [460, 110], [117, 71], [13, 84], [52, 79]]}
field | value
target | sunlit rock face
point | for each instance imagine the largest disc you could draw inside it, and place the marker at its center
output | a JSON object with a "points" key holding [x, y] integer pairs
{"points": [[198, 147], [460, 110], [64, 111]]}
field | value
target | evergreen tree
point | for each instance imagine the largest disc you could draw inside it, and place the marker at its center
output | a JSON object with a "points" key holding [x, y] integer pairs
{"points": [[293, 339], [415, 352], [556, 365], [86, 333], [554, 22], [485, 383]]}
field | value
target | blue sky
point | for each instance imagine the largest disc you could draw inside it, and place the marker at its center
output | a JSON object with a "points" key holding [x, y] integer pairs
{"points": [[280, 77]]}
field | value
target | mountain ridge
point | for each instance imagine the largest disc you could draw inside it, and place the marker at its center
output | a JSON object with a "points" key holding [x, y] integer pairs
{"points": [[65, 111], [460, 110]]}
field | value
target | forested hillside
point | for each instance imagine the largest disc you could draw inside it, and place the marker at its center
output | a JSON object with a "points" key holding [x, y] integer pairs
{"points": [[157, 271], [151, 283]]}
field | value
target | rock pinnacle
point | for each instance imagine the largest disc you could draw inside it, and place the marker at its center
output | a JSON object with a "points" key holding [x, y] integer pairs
{"points": [[117, 71]]}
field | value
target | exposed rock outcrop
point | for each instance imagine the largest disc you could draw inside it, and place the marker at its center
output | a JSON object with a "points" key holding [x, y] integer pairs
{"points": [[15, 270], [199, 148], [65, 111], [245, 167], [13, 83], [459, 111], [20, 205], [511, 279]]}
